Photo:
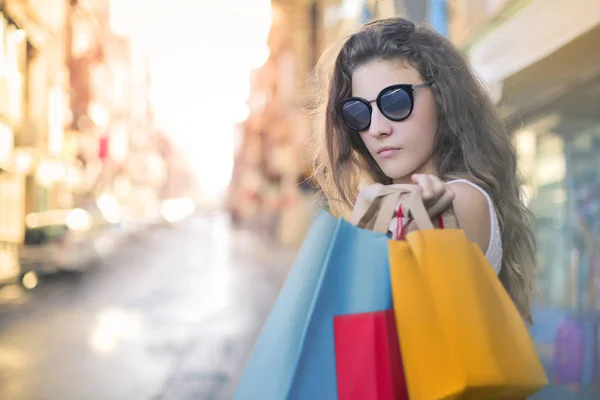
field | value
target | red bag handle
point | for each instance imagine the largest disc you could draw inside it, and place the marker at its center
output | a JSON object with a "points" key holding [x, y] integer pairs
{"points": [[400, 224], [400, 234]]}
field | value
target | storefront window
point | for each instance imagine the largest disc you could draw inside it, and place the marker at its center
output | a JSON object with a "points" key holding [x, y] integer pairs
{"points": [[583, 184], [548, 203], [562, 173]]}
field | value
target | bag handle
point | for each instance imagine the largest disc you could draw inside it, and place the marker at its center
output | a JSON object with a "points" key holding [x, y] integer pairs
{"points": [[364, 213], [366, 203], [378, 202], [376, 206], [386, 212], [418, 212]]}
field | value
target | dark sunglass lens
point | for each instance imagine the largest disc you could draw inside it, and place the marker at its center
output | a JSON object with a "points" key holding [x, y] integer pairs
{"points": [[396, 104], [356, 114]]}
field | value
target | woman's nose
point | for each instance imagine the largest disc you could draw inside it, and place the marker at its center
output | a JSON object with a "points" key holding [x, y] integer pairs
{"points": [[380, 125]]}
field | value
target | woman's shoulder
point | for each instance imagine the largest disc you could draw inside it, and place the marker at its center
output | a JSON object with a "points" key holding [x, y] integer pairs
{"points": [[471, 192], [464, 182]]}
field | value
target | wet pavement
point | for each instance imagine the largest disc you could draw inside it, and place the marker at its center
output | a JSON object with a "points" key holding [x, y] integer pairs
{"points": [[172, 315]]}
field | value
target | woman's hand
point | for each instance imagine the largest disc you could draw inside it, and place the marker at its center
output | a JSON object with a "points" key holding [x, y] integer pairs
{"points": [[470, 206], [437, 196]]}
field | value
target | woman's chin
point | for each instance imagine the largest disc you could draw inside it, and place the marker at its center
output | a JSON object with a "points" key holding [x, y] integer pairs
{"points": [[398, 176]]}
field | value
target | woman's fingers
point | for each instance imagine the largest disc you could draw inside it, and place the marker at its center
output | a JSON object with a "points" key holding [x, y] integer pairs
{"points": [[426, 187], [442, 204], [436, 195], [439, 187]]}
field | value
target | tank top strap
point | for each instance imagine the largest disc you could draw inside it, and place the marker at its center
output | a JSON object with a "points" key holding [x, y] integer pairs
{"points": [[494, 251]]}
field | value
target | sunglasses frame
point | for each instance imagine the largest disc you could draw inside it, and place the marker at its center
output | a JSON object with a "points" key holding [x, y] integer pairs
{"points": [[408, 88]]}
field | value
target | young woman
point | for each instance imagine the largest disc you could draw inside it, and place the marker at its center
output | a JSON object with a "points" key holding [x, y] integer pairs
{"points": [[401, 105]]}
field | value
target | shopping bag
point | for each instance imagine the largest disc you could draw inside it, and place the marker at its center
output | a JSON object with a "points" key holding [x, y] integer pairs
{"points": [[576, 361], [567, 365], [341, 269], [368, 359], [461, 336]]}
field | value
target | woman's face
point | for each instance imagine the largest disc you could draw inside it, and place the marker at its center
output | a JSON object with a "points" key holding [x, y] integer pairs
{"points": [[405, 147]]}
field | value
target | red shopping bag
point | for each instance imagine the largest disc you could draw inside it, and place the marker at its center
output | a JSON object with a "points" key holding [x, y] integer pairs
{"points": [[368, 361]]}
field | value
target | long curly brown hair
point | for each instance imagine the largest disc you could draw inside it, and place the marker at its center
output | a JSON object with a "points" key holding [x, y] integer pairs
{"points": [[472, 141]]}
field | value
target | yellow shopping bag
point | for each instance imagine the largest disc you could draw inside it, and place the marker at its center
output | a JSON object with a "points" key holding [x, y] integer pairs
{"points": [[461, 337]]}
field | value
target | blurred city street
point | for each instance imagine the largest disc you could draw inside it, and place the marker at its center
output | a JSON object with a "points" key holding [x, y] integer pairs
{"points": [[172, 314]]}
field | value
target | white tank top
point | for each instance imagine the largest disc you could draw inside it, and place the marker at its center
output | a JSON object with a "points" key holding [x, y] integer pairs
{"points": [[494, 250]]}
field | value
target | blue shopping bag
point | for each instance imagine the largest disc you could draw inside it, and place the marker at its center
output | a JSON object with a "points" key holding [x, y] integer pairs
{"points": [[340, 269]]}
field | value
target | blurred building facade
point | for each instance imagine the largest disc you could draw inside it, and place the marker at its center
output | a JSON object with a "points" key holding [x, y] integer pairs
{"points": [[112, 121], [541, 63], [33, 88], [76, 124], [547, 82]]}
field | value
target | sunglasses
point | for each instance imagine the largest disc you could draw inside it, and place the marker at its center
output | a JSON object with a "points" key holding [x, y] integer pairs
{"points": [[395, 102]]}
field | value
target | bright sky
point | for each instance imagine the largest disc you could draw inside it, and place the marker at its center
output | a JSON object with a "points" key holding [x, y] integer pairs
{"points": [[201, 54]]}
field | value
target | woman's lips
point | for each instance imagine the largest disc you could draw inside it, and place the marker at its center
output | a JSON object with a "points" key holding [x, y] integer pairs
{"points": [[387, 152]]}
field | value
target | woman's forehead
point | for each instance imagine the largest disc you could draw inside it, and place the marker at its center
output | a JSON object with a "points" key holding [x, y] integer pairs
{"points": [[370, 78]]}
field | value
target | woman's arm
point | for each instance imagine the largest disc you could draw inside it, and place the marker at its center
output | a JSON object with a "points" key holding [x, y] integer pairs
{"points": [[473, 213]]}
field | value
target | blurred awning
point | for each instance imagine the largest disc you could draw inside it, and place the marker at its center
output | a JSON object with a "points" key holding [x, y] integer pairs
{"points": [[566, 82], [533, 33]]}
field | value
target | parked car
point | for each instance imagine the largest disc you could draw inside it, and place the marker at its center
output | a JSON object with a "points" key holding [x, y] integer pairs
{"points": [[65, 240]]}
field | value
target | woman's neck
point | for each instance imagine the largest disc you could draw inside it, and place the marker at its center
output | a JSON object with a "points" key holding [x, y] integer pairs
{"points": [[404, 180], [427, 168]]}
